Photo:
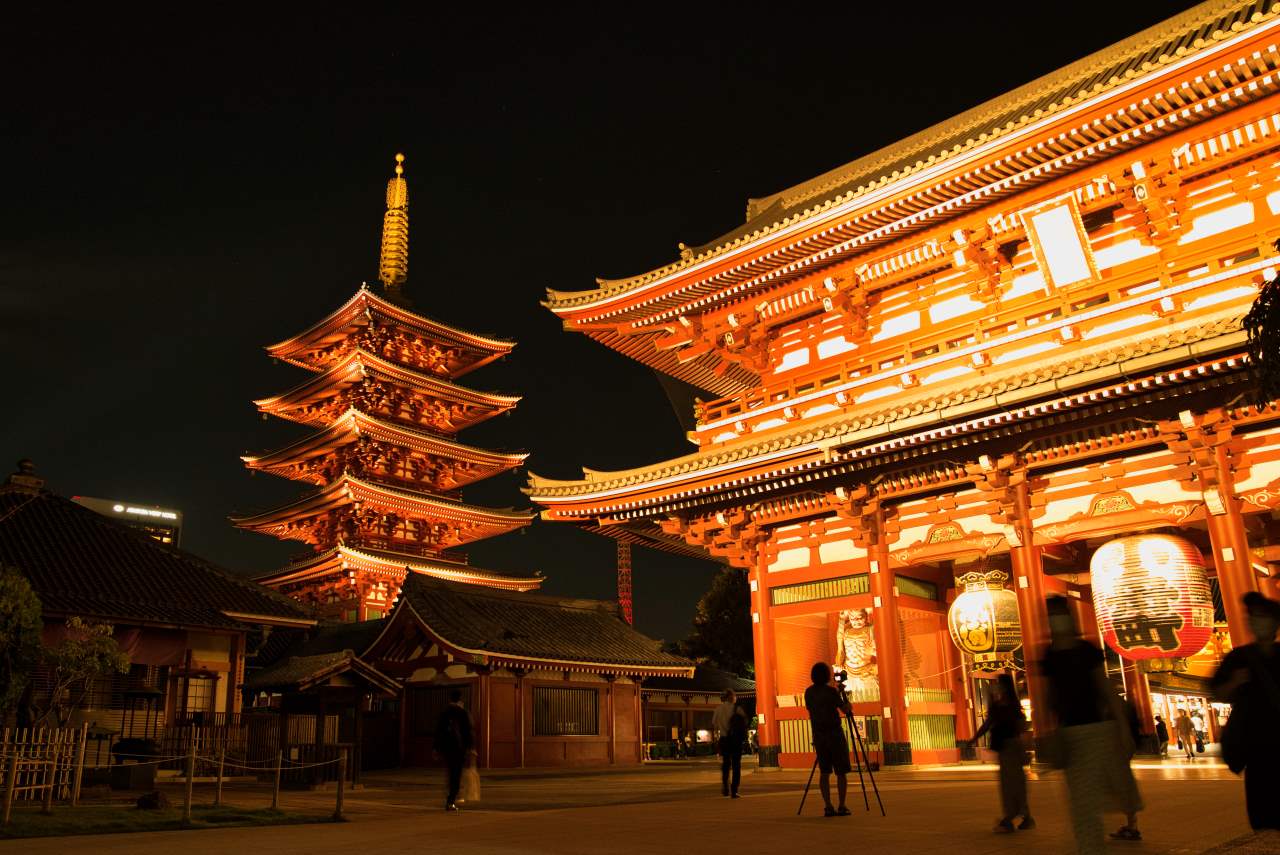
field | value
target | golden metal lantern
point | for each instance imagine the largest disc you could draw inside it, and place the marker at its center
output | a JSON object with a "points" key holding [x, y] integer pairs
{"points": [[983, 620], [1152, 598]]}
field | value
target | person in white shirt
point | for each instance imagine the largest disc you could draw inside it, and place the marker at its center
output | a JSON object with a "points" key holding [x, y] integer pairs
{"points": [[730, 723]]}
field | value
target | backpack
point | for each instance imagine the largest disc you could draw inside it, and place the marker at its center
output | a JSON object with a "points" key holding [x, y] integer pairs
{"points": [[738, 726]]}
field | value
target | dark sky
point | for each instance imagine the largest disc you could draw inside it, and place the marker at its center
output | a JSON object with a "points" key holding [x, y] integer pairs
{"points": [[178, 194]]}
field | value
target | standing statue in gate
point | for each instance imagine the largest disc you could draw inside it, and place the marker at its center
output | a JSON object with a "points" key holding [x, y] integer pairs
{"points": [[856, 650]]}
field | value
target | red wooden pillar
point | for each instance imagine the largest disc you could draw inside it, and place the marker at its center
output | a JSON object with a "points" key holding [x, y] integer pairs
{"points": [[613, 724], [519, 672], [766, 682], [956, 679], [642, 732], [1028, 576], [486, 717], [896, 731], [1231, 556], [1138, 690]]}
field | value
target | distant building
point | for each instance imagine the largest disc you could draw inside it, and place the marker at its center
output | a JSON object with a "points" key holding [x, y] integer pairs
{"points": [[162, 524]]}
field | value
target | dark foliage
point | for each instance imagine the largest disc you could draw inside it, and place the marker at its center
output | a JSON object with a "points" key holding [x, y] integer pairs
{"points": [[1262, 324], [722, 625]]}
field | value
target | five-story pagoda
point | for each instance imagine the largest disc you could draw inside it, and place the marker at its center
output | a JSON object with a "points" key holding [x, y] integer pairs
{"points": [[384, 456]]}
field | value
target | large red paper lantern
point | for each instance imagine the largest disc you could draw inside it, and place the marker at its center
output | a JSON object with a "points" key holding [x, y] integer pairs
{"points": [[1152, 598], [983, 620]]}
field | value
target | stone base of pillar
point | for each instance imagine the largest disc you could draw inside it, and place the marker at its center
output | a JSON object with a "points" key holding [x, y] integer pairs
{"points": [[897, 754], [767, 756]]}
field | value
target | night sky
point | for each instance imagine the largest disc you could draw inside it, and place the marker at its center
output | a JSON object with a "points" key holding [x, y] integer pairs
{"points": [[177, 195]]}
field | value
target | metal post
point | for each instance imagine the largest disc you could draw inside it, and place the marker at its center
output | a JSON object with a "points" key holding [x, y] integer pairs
{"points": [[275, 790], [342, 779], [217, 793], [79, 778], [191, 774], [50, 776], [12, 781]]}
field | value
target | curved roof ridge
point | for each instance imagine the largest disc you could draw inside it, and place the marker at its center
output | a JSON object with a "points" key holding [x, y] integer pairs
{"points": [[364, 295], [1131, 58]]}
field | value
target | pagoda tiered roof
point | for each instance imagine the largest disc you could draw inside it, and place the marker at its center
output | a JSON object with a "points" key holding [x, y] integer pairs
{"points": [[443, 464], [383, 455], [433, 522], [327, 341], [342, 560], [389, 390]]}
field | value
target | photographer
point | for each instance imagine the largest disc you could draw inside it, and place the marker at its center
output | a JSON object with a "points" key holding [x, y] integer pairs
{"points": [[825, 703]]}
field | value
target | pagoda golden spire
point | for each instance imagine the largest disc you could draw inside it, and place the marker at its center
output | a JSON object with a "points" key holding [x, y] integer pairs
{"points": [[393, 266]]}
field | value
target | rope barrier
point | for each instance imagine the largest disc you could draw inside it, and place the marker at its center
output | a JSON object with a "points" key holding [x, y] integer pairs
{"points": [[25, 758], [262, 765], [287, 765]]}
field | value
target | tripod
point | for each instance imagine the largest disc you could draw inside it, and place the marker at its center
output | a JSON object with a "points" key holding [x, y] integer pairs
{"points": [[855, 739]]}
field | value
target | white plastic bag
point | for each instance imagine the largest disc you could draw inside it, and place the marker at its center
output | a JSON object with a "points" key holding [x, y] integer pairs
{"points": [[470, 791]]}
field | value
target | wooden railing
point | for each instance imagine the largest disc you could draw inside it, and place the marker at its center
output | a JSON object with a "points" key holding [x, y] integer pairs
{"points": [[41, 764]]}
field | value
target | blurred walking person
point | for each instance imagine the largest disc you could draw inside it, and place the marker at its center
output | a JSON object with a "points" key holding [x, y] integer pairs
{"points": [[1249, 677], [453, 742], [1186, 734], [730, 722], [1093, 740], [1162, 736], [1006, 723]]}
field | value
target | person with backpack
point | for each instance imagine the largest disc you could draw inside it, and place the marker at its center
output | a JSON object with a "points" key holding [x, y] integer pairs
{"points": [[453, 742], [730, 721], [1249, 677]]}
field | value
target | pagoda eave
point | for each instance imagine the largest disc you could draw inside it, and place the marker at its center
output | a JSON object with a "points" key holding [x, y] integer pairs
{"points": [[337, 563], [365, 306], [347, 491], [359, 365], [353, 425]]}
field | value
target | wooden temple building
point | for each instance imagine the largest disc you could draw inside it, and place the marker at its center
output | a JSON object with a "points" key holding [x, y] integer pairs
{"points": [[995, 345], [189, 628], [383, 459], [548, 681]]}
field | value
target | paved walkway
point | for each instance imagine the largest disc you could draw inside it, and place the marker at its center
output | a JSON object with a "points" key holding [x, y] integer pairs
{"points": [[676, 809]]}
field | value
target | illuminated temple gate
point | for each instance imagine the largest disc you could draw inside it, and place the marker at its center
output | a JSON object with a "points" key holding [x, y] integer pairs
{"points": [[988, 349]]}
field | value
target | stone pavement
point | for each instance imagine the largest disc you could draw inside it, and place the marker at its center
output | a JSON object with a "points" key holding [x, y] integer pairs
{"points": [[676, 808]]}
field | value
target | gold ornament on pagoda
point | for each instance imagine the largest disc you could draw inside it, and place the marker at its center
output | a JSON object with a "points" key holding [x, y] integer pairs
{"points": [[393, 265]]}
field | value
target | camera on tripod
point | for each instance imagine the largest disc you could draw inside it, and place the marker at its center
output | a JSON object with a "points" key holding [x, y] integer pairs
{"points": [[840, 676]]}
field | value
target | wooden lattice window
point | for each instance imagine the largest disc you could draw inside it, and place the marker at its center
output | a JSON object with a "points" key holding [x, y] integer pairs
{"points": [[565, 712]]}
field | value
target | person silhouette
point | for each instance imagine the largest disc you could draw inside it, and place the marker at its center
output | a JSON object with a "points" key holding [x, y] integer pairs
{"points": [[453, 741], [825, 705], [1006, 723], [1249, 677]]}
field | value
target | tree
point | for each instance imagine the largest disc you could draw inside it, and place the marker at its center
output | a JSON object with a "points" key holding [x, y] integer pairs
{"points": [[1262, 324], [20, 627], [722, 625], [86, 652]]}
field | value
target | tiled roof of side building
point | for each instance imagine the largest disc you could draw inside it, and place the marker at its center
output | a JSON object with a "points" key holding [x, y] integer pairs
{"points": [[1131, 59], [299, 673], [80, 563], [323, 639], [532, 626], [705, 679]]}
